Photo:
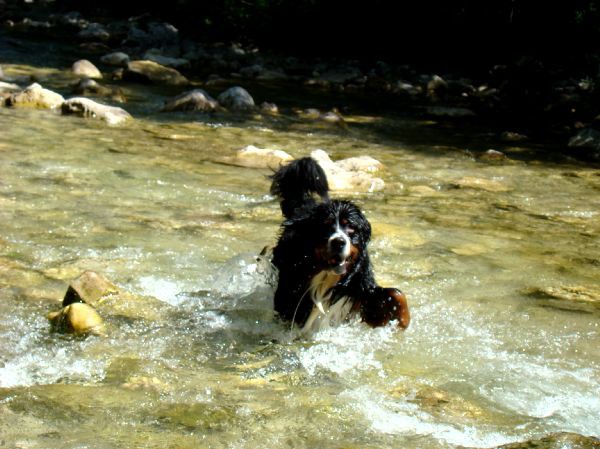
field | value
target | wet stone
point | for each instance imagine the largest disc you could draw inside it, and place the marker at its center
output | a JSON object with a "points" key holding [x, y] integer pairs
{"points": [[152, 72], [556, 441], [236, 99], [89, 288], [77, 318], [84, 107], [85, 68], [193, 100], [254, 157], [36, 96], [489, 185], [341, 179]]}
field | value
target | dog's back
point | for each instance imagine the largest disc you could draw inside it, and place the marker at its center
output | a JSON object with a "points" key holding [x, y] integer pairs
{"points": [[297, 183]]}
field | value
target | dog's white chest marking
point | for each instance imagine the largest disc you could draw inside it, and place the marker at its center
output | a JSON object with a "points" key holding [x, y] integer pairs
{"points": [[324, 314]]}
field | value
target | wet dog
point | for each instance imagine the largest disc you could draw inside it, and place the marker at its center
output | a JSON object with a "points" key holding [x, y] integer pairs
{"points": [[325, 276]]}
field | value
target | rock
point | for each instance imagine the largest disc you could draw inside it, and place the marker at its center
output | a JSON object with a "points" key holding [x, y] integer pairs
{"points": [[89, 288], [583, 294], [94, 31], [402, 87], [36, 96], [332, 116], [587, 140], [236, 99], [255, 157], [77, 318], [493, 156], [269, 108], [85, 68], [96, 48], [151, 72], [8, 88], [365, 164], [559, 440], [436, 86], [194, 100], [489, 185], [510, 136], [155, 34], [84, 107], [88, 86], [341, 179], [448, 112], [154, 55], [117, 59]]}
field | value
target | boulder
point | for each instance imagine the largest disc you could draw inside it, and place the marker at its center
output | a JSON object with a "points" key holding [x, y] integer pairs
{"points": [[84, 107], [8, 88], [94, 31], [36, 96], [77, 318], [255, 157], [86, 69], [89, 288], [269, 108], [512, 137], [236, 99], [193, 100], [365, 164], [88, 86], [152, 72], [117, 59], [588, 142], [492, 155], [154, 55], [342, 179]]}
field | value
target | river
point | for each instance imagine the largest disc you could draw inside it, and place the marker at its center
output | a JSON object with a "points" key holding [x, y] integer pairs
{"points": [[500, 262]]}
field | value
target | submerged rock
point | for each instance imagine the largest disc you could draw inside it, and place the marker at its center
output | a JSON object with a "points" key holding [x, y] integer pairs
{"points": [[448, 112], [193, 100], [85, 68], [342, 179], [236, 99], [152, 72], [567, 296], [255, 157], [84, 107], [154, 55], [490, 185], [36, 96], [559, 440], [88, 86], [77, 318]]}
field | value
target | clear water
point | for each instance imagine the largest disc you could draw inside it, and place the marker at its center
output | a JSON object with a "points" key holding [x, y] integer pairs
{"points": [[484, 362]]}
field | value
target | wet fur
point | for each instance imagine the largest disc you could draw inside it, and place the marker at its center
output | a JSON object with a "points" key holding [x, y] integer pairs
{"points": [[309, 292]]}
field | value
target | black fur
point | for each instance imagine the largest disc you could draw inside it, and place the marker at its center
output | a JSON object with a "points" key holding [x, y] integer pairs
{"points": [[308, 226]]}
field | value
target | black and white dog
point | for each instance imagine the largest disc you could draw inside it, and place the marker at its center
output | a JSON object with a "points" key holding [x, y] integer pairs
{"points": [[325, 275]]}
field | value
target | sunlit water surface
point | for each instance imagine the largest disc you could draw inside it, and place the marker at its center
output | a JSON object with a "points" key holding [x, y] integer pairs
{"points": [[488, 358]]}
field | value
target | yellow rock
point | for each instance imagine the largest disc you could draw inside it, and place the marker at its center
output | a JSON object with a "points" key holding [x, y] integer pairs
{"points": [[77, 318]]}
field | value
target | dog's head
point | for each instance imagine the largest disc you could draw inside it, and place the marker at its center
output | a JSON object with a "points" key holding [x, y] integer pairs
{"points": [[341, 234]]}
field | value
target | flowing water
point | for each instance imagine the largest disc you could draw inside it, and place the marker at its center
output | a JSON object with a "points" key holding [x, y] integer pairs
{"points": [[500, 262]]}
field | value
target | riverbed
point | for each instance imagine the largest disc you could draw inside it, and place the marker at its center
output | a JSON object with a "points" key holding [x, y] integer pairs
{"points": [[500, 261]]}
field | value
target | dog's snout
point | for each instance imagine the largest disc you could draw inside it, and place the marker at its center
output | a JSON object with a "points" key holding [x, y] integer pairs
{"points": [[337, 243]]}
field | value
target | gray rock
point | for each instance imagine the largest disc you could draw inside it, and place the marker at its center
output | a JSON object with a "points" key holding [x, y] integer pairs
{"points": [[118, 59], [94, 31], [154, 55], [85, 68], [84, 107], [449, 112], [588, 140], [236, 99], [88, 86], [194, 100], [151, 72], [36, 96]]}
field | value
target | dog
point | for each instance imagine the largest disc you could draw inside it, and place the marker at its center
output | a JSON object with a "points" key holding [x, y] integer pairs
{"points": [[325, 275]]}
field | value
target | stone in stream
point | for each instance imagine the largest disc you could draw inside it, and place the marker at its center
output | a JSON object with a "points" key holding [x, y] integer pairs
{"points": [[236, 99], [84, 107], [151, 72], [155, 55], [77, 318], [193, 100], [88, 86], [560, 440], [35, 96], [255, 157], [90, 288], [94, 31], [86, 69], [348, 176], [117, 59]]}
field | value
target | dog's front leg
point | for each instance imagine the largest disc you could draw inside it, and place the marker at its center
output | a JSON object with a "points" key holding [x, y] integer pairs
{"points": [[383, 305]]}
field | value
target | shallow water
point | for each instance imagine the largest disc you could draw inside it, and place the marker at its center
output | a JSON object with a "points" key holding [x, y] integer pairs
{"points": [[489, 357]]}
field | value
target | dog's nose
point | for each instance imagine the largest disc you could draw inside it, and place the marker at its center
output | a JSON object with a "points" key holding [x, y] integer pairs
{"points": [[337, 243]]}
